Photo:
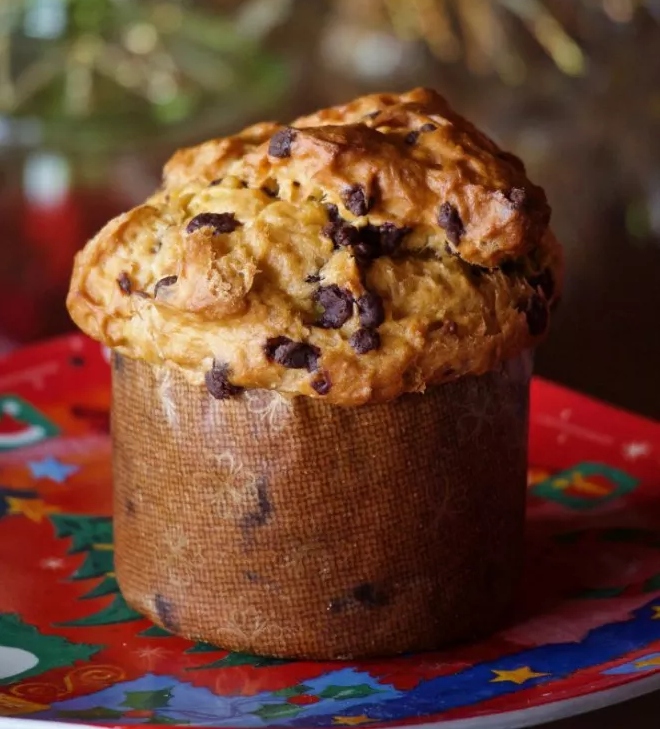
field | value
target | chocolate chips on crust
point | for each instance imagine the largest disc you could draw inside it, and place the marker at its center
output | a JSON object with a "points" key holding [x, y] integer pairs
{"points": [[391, 237], [412, 137], [164, 283], [371, 311], [450, 221], [322, 384], [280, 143], [124, 282], [337, 306], [293, 355], [220, 222], [341, 234], [355, 199], [365, 340], [218, 384]]}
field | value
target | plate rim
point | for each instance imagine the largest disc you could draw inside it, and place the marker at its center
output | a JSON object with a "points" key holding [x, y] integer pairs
{"points": [[551, 711], [517, 719]]}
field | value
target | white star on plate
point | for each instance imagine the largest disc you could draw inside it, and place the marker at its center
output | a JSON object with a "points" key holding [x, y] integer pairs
{"points": [[52, 563], [152, 655], [635, 449]]}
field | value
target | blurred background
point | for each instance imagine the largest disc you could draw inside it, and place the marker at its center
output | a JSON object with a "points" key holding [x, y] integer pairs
{"points": [[96, 94]]}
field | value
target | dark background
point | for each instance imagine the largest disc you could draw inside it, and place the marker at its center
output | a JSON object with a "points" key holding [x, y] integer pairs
{"points": [[573, 87]]}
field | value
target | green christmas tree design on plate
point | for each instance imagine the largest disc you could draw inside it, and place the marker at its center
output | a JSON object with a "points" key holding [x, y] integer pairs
{"points": [[25, 652], [93, 535], [159, 699], [138, 705]]}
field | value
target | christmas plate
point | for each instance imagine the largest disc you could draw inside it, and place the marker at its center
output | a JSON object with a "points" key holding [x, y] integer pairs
{"points": [[586, 631]]}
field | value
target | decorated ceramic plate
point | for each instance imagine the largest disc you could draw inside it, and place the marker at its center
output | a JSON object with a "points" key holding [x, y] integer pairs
{"points": [[586, 631]]}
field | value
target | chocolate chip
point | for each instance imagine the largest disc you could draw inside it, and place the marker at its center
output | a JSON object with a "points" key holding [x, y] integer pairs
{"points": [[355, 199], [280, 143], [342, 234], [380, 240], [124, 282], [322, 384], [536, 313], [367, 242], [261, 515], [371, 311], [217, 382], [365, 252], [450, 221], [391, 237], [293, 355], [368, 595], [313, 278], [164, 283], [518, 197], [165, 612], [349, 236], [544, 282], [333, 213], [412, 137], [329, 230], [220, 222], [364, 340], [268, 191], [337, 305], [213, 183]]}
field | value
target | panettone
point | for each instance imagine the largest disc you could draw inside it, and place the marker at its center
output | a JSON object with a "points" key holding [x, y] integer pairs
{"points": [[384, 256]]}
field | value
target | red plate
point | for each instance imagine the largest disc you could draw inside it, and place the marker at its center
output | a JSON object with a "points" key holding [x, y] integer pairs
{"points": [[587, 631]]}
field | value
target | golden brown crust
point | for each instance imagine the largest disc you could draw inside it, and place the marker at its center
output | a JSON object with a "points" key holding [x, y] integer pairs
{"points": [[394, 197]]}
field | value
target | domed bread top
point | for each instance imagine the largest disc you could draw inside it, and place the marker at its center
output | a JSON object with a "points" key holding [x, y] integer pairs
{"points": [[362, 252]]}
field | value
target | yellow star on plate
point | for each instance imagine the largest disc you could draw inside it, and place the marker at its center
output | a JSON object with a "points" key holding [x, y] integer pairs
{"points": [[33, 509], [351, 720], [519, 675], [656, 612], [648, 662]]}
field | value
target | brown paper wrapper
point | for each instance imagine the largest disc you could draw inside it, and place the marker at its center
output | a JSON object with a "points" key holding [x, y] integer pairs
{"points": [[296, 528]]}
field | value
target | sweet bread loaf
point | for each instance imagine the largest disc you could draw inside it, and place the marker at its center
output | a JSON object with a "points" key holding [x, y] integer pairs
{"points": [[322, 336]]}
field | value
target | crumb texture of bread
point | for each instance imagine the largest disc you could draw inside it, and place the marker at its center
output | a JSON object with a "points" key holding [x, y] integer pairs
{"points": [[359, 253]]}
